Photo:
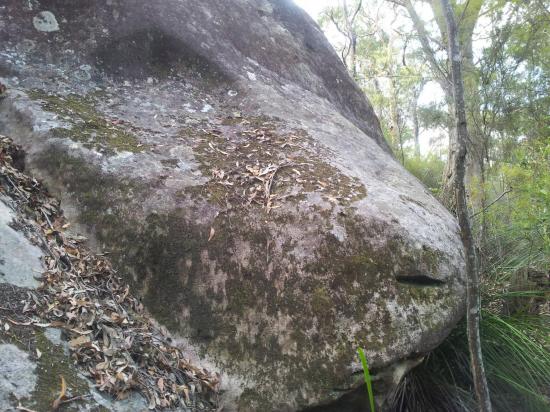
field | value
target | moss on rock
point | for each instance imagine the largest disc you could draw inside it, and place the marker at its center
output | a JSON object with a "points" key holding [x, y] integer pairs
{"points": [[88, 125]]}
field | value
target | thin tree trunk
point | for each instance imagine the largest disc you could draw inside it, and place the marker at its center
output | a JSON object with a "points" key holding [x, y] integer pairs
{"points": [[448, 196], [416, 123], [416, 129], [353, 53], [394, 117], [472, 294], [483, 229]]}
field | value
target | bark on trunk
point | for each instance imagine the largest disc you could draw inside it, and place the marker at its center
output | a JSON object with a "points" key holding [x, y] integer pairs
{"points": [[473, 300], [416, 124], [353, 53]]}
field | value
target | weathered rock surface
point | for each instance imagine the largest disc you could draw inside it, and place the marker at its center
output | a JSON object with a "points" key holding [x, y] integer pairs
{"points": [[16, 374], [19, 258], [241, 182]]}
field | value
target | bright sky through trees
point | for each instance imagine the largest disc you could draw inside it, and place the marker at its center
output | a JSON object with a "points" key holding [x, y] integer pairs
{"points": [[431, 92], [314, 7]]}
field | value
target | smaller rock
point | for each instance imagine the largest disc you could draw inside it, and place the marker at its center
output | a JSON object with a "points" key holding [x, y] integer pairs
{"points": [[17, 375], [45, 21], [54, 336], [19, 258]]}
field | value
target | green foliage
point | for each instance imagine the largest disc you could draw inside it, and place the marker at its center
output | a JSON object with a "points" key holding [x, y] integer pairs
{"points": [[428, 169], [368, 380], [519, 224], [391, 75]]}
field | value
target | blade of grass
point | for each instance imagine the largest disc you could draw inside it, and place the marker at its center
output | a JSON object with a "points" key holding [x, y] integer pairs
{"points": [[368, 380]]}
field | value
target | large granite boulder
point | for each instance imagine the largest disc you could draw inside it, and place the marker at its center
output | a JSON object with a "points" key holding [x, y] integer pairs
{"points": [[221, 154]]}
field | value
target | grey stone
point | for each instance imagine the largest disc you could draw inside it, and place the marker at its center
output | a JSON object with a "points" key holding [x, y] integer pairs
{"points": [[134, 403], [54, 336], [17, 376], [19, 258], [277, 302], [45, 21]]}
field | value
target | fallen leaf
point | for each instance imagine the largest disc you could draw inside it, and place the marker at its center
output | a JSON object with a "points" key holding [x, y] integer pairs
{"points": [[62, 392], [77, 342], [212, 233]]}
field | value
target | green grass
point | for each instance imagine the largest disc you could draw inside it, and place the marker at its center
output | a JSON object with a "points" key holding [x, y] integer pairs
{"points": [[368, 380]]}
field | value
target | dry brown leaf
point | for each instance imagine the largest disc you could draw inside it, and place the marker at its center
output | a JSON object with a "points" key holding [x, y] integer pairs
{"points": [[57, 402], [212, 233], [77, 342], [102, 366]]}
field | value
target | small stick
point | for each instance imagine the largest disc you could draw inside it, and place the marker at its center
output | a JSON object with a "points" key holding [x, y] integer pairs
{"points": [[22, 408], [492, 203], [74, 398]]}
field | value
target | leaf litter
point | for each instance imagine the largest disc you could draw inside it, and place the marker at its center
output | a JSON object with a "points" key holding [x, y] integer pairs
{"points": [[256, 164], [109, 334]]}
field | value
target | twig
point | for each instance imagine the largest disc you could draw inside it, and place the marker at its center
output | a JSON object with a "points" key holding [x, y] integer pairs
{"points": [[270, 183], [22, 408], [47, 219], [492, 203], [74, 398], [16, 188]]}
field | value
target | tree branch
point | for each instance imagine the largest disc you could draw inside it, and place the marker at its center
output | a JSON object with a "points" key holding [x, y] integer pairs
{"points": [[357, 11], [439, 73], [491, 204]]}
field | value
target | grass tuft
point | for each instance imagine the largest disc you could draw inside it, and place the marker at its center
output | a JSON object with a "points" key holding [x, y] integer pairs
{"points": [[368, 380]]}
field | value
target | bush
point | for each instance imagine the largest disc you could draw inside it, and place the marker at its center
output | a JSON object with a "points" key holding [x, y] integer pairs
{"points": [[428, 169]]}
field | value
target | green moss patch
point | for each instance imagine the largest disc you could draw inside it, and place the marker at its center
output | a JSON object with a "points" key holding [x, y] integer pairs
{"points": [[52, 364], [88, 126]]}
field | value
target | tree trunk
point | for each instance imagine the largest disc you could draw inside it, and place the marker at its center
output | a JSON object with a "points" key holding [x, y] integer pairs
{"points": [[472, 297], [397, 143], [353, 56], [416, 123]]}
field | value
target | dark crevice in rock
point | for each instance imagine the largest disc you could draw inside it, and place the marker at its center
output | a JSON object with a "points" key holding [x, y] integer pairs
{"points": [[155, 53], [355, 401], [419, 280]]}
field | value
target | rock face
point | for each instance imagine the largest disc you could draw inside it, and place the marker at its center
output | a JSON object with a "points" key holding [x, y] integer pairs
{"points": [[19, 258], [238, 177]]}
